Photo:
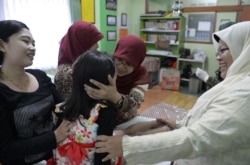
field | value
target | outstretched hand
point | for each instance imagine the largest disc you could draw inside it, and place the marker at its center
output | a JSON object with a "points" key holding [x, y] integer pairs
{"points": [[168, 122], [105, 92], [109, 144]]}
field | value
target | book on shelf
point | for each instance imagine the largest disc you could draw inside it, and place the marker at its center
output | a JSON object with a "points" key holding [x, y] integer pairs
{"points": [[162, 24], [153, 38]]}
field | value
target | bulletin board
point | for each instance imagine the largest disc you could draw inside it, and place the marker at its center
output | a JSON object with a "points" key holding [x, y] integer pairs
{"points": [[88, 10], [200, 27]]}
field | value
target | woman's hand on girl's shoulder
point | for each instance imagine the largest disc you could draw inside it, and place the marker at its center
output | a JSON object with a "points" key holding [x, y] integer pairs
{"points": [[64, 130], [58, 107]]}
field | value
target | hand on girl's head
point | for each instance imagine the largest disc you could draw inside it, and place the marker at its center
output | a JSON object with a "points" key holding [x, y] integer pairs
{"points": [[93, 92], [105, 92], [112, 80]]}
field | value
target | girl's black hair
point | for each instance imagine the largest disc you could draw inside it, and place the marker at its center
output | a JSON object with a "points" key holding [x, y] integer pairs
{"points": [[90, 65], [7, 29]]}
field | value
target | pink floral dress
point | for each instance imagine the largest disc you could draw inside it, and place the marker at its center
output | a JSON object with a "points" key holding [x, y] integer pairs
{"points": [[78, 149]]}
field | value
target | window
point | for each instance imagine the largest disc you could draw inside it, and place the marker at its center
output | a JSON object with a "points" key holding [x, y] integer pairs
{"points": [[48, 21]]}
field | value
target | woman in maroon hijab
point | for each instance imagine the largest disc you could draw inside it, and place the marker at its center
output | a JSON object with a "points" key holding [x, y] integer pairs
{"points": [[127, 93], [81, 36]]}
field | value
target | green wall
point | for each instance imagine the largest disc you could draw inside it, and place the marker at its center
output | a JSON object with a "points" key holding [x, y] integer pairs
{"points": [[105, 45], [124, 7]]}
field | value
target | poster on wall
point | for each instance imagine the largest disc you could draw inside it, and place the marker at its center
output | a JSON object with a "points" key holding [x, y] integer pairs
{"points": [[88, 10], [111, 4]]}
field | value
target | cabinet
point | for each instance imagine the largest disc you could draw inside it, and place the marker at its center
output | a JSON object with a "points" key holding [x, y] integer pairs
{"points": [[183, 62], [163, 36]]}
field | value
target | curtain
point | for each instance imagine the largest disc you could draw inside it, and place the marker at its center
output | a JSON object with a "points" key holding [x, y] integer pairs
{"points": [[1, 10], [48, 21], [75, 8]]}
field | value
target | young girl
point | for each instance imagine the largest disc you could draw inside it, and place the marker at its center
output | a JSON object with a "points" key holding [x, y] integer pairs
{"points": [[93, 117], [127, 91]]}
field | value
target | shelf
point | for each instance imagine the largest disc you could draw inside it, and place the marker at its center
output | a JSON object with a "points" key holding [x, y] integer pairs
{"points": [[185, 79], [190, 60], [153, 30], [151, 42], [200, 63], [145, 17], [151, 15], [162, 53]]}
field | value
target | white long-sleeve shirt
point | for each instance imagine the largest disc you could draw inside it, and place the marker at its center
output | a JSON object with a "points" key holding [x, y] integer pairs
{"points": [[216, 131]]}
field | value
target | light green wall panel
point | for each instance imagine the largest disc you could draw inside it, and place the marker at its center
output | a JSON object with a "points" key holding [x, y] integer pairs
{"points": [[227, 2], [138, 9], [159, 5], [98, 19], [124, 7], [105, 45], [193, 3], [133, 9], [230, 16]]}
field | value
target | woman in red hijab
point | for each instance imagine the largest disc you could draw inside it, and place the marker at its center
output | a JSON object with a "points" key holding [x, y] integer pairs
{"points": [[81, 36], [127, 93]]}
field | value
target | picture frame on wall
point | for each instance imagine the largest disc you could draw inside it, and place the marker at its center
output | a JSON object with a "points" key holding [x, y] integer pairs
{"points": [[111, 20], [111, 35], [111, 4], [124, 19]]}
